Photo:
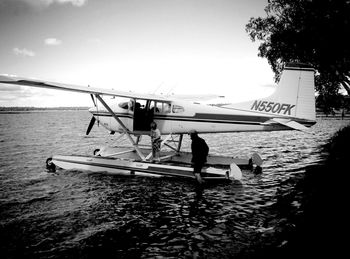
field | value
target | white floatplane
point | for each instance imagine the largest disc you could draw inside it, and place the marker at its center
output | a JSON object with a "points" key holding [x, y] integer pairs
{"points": [[291, 107]]}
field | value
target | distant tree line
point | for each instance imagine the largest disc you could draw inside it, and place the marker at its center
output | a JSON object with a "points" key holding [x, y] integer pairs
{"points": [[309, 31], [19, 108]]}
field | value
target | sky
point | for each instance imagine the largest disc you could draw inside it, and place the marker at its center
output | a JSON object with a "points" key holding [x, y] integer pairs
{"points": [[144, 46]]}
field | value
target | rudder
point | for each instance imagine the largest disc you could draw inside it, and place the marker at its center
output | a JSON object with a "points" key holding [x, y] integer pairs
{"points": [[297, 87]]}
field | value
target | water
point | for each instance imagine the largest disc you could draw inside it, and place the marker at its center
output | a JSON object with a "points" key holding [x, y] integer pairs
{"points": [[74, 214]]}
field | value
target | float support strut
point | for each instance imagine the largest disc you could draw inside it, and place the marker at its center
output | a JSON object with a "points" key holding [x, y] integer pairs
{"points": [[127, 132]]}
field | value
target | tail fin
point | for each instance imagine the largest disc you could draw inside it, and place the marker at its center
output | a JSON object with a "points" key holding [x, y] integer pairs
{"points": [[293, 98], [297, 87]]}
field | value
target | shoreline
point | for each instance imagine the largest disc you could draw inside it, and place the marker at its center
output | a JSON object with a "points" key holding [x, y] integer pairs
{"points": [[316, 226], [17, 110], [32, 108]]}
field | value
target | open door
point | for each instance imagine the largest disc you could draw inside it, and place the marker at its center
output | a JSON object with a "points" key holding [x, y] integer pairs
{"points": [[143, 115], [146, 111]]}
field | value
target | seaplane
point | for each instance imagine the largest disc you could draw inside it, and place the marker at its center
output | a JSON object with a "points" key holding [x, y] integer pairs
{"points": [[290, 107]]}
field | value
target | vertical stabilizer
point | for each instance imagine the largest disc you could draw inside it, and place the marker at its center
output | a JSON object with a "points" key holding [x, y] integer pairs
{"points": [[294, 96], [297, 87]]}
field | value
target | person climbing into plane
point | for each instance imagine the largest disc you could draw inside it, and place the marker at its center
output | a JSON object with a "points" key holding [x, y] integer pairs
{"points": [[200, 152], [155, 141]]}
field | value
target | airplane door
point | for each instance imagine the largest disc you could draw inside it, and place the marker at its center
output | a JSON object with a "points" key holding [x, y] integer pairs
{"points": [[143, 116]]}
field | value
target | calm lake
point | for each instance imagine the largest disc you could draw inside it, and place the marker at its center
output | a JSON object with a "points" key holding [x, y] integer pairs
{"points": [[75, 214]]}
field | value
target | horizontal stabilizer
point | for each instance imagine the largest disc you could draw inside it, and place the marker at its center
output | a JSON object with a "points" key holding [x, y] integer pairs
{"points": [[289, 123]]}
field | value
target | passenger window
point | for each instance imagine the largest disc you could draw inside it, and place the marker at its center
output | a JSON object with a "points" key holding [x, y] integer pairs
{"points": [[159, 108], [178, 109], [153, 107], [166, 107]]}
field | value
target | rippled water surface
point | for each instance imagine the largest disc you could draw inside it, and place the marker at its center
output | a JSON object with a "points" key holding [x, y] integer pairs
{"points": [[79, 214]]}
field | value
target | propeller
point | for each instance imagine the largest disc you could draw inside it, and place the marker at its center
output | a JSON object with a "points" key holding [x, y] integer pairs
{"points": [[93, 119], [91, 124]]}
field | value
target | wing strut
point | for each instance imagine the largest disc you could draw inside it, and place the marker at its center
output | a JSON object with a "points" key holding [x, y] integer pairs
{"points": [[127, 132]]}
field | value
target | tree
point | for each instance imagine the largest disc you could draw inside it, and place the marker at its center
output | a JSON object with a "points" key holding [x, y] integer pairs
{"points": [[308, 31]]}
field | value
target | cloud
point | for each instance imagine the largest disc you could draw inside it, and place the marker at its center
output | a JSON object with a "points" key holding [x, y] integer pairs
{"points": [[19, 7], [14, 95], [73, 2], [14, 92], [23, 52], [46, 3], [7, 88], [52, 42]]}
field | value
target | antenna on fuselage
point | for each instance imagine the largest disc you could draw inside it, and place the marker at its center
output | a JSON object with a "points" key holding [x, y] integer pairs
{"points": [[168, 93], [154, 92]]}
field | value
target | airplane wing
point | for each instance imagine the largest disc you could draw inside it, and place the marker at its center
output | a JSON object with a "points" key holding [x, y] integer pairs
{"points": [[288, 123], [4, 79]]}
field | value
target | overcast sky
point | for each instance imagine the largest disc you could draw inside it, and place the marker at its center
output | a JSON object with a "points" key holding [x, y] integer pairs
{"points": [[161, 46]]}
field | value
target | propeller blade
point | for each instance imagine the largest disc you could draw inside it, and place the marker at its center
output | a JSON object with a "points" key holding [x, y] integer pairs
{"points": [[93, 99], [91, 124]]}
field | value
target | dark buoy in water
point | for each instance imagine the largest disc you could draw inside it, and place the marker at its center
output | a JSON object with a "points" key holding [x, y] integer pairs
{"points": [[250, 164], [257, 170], [96, 152], [50, 166], [257, 160]]}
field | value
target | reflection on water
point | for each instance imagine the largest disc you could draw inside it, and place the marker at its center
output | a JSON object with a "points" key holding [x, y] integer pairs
{"points": [[79, 214]]}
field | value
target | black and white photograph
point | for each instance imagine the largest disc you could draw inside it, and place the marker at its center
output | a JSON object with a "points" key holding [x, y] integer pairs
{"points": [[174, 128]]}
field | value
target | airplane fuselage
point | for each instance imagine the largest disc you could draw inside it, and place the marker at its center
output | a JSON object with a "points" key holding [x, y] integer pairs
{"points": [[181, 116]]}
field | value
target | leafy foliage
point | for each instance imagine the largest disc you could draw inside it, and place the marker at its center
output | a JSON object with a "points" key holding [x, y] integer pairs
{"points": [[308, 31]]}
